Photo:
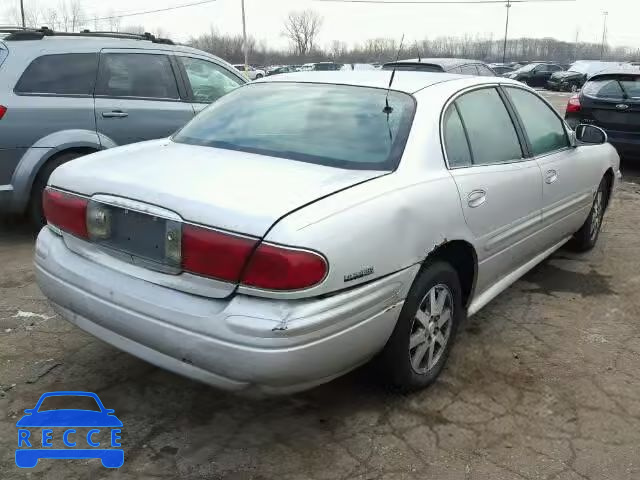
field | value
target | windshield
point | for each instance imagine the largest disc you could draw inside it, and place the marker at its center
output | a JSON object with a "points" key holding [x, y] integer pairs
{"points": [[67, 402], [621, 87], [334, 125]]}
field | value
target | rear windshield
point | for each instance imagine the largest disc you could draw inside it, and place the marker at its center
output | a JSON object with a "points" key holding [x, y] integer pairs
{"points": [[622, 87], [334, 125], [413, 67]]}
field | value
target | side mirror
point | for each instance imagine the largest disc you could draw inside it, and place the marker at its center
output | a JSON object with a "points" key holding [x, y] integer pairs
{"points": [[590, 134]]}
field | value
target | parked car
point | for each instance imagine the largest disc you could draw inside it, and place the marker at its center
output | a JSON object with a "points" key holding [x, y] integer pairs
{"points": [[320, 67], [66, 95], [281, 69], [501, 69], [610, 100], [252, 73], [450, 65], [574, 78], [309, 244], [534, 74]]}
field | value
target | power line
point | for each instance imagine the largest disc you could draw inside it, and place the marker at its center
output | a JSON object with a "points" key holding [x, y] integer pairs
{"points": [[133, 14]]}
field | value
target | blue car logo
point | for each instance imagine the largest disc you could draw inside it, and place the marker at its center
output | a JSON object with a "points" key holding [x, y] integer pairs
{"points": [[65, 427]]}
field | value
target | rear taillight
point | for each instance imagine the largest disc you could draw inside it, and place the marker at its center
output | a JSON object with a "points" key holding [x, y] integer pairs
{"points": [[214, 254], [3, 110], [66, 212], [574, 104], [226, 256], [280, 268]]}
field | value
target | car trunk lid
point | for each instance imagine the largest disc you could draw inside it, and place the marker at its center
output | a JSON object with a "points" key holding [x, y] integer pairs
{"points": [[151, 191]]}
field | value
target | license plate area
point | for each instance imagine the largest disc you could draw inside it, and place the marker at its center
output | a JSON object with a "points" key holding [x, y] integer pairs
{"points": [[140, 238]]}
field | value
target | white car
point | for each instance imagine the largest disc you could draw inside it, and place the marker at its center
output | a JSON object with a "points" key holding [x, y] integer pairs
{"points": [[251, 73], [302, 225]]}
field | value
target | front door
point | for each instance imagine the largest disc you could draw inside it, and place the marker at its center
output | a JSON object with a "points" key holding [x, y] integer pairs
{"points": [[567, 188], [500, 190], [137, 96], [206, 81]]}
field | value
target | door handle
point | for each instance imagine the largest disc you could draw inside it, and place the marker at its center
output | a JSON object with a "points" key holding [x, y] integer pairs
{"points": [[476, 198], [115, 114], [550, 176]]}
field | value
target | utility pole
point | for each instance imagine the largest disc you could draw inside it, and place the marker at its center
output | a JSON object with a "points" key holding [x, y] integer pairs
{"points": [[245, 46], [22, 13], [604, 34], [506, 30]]}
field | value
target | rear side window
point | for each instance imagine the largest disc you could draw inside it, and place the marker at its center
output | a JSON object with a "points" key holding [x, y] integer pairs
{"points": [[455, 140], [140, 75], [491, 133], [64, 74], [545, 130]]}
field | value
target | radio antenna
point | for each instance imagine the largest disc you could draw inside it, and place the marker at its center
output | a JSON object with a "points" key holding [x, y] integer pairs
{"points": [[387, 109], [418, 50]]}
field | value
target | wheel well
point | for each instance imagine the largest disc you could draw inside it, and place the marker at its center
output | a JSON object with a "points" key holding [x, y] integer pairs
{"points": [[79, 150], [462, 257], [608, 176]]}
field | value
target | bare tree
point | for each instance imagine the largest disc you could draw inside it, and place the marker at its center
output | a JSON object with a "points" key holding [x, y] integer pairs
{"points": [[32, 15], [302, 28]]}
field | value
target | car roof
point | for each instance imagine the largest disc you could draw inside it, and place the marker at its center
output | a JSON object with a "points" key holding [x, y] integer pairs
{"points": [[443, 62], [408, 82], [62, 44]]}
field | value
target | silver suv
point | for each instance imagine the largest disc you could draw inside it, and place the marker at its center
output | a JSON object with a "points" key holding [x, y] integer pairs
{"points": [[64, 95]]}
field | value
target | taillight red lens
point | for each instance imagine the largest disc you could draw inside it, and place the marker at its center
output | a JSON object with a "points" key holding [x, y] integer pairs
{"points": [[574, 104], [280, 268], [65, 211], [3, 110], [214, 254]]}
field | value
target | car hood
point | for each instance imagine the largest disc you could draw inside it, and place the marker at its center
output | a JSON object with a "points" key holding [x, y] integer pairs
{"points": [[69, 418], [231, 190], [566, 75]]}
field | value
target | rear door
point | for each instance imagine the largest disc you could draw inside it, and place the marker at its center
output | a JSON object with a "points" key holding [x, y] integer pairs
{"points": [[205, 80], [500, 190], [138, 96]]}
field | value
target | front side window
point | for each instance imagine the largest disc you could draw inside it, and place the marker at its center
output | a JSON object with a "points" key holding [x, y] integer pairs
{"points": [[491, 133], [334, 125], [544, 129], [208, 81], [140, 75], [485, 71], [64, 74], [455, 140]]}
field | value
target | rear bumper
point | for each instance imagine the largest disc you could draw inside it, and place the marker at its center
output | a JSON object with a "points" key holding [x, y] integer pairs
{"points": [[624, 142], [275, 346]]}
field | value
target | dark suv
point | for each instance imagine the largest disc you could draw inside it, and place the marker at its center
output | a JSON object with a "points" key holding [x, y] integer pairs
{"points": [[64, 95], [460, 66]]}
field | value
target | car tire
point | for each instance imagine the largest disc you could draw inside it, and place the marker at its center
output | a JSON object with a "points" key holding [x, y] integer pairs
{"points": [[585, 238], [36, 212], [573, 88], [413, 356], [258, 76]]}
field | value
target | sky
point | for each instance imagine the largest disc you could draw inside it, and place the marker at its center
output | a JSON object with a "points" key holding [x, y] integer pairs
{"points": [[355, 22]]}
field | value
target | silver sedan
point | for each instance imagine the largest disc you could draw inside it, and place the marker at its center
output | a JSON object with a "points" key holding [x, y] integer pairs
{"points": [[303, 225]]}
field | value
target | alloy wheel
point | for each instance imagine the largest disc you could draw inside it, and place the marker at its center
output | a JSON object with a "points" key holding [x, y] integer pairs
{"points": [[431, 329], [596, 215]]}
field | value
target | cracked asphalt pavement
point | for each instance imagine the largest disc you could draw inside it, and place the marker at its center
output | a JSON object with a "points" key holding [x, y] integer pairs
{"points": [[543, 383]]}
